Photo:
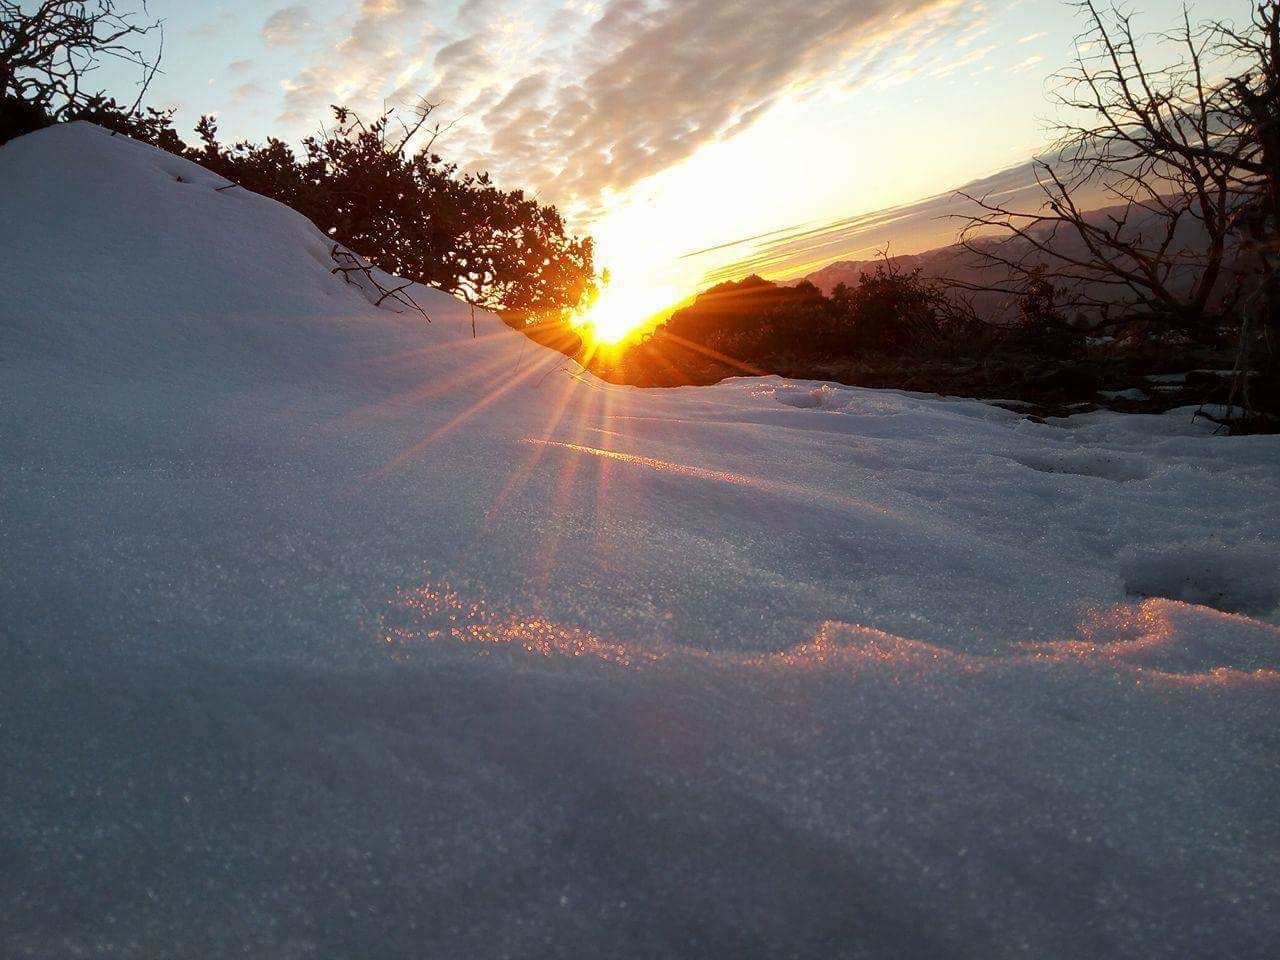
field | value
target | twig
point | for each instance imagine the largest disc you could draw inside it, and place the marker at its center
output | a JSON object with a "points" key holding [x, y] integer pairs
{"points": [[356, 265]]}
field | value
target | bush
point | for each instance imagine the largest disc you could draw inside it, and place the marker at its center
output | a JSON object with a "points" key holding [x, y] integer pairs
{"points": [[1042, 327], [890, 313], [19, 117], [416, 216]]}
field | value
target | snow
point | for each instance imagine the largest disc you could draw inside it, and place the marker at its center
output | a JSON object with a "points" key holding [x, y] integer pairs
{"points": [[331, 632], [1133, 393]]}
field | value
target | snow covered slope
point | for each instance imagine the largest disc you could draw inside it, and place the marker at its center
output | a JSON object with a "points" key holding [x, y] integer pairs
{"points": [[330, 632]]}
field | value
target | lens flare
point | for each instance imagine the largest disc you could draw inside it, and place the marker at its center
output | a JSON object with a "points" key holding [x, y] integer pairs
{"points": [[624, 309]]}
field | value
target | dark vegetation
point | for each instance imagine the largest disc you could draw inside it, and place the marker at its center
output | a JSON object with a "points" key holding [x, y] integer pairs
{"points": [[755, 325], [376, 188], [898, 330], [1182, 279]]}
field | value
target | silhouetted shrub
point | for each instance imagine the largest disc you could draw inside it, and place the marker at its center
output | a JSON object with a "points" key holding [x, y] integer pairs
{"points": [[891, 311], [19, 117], [1042, 326], [888, 313], [415, 215]]}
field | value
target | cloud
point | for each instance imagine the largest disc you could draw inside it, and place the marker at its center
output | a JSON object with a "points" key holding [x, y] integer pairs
{"points": [[1026, 64], [978, 26], [1032, 36], [664, 81], [250, 90], [972, 57], [592, 96], [909, 228], [363, 66], [214, 28], [379, 25], [287, 26]]}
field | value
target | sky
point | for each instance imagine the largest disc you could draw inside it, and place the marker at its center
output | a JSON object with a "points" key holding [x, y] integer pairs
{"points": [[661, 128]]}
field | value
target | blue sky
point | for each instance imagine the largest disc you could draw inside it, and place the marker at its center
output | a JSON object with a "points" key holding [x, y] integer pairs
{"points": [[660, 127]]}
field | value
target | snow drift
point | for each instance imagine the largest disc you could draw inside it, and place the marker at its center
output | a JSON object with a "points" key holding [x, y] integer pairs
{"points": [[331, 632]]}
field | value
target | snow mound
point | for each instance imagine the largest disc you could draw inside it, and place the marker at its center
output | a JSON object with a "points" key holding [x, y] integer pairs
{"points": [[1179, 640], [332, 632]]}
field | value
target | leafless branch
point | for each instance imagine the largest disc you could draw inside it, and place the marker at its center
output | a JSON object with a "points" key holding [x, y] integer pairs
{"points": [[350, 266], [48, 51]]}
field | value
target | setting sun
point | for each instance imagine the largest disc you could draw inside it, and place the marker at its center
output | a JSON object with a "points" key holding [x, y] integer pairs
{"points": [[623, 309]]}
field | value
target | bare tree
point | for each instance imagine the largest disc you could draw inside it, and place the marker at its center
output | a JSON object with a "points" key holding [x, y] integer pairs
{"points": [[1252, 113], [48, 49], [1174, 152]]}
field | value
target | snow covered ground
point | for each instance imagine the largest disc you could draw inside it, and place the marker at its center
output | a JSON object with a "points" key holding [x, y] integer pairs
{"points": [[327, 632]]}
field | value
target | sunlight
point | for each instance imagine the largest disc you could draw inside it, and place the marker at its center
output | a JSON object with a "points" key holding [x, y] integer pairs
{"points": [[633, 240], [624, 309]]}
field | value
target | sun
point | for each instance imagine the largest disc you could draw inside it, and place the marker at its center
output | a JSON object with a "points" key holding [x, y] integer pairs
{"points": [[623, 310]]}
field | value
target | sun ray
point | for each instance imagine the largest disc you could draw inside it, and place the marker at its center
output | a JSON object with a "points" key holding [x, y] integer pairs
{"points": [[657, 350], [716, 355], [563, 499], [521, 474], [722, 476], [538, 365]]}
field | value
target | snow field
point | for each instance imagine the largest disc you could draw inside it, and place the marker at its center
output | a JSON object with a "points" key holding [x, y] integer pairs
{"points": [[330, 632]]}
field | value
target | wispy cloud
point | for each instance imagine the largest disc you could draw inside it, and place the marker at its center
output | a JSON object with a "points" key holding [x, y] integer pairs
{"points": [[250, 90], [1026, 64], [363, 65], [287, 26], [215, 27], [588, 98], [972, 57]]}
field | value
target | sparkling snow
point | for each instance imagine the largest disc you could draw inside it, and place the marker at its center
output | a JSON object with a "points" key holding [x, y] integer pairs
{"points": [[328, 632]]}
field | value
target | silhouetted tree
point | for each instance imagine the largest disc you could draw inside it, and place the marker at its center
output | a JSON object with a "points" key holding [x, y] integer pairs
{"points": [[48, 50], [413, 214], [1133, 135], [1190, 164], [1042, 325], [893, 310]]}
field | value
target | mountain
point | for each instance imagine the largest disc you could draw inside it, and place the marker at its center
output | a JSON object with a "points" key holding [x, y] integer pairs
{"points": [[955, 262], [330, 631]]}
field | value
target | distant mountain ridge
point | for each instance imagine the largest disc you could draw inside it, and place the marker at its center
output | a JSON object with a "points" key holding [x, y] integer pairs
{"points": [[965, 265]]}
